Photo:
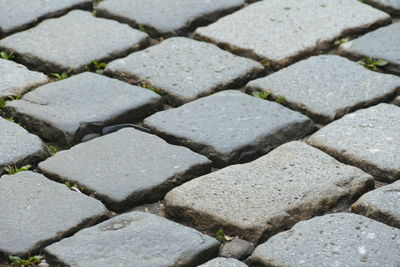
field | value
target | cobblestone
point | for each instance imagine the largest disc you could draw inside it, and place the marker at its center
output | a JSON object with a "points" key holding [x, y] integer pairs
{"points": [[223, 262]]}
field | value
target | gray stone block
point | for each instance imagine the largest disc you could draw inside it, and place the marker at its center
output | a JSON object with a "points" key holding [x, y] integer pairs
{"points": [[126, 168], [185, 69], [72, 41], [390, 6], [327, 87], [255, 200], [340, 239], [367, 139], [223, 262], [276, 32], [230, 126], [237, 248], [36, 212], [57, 110], [134, 239]]}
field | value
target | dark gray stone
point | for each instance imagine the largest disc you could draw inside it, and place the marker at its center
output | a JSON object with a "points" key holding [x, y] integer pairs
{"points": [[367, 139], [390, 6], [184, 69], [73, 41], [56, 110], [36, 212], [237, 248], [340, 239], [230, 126], [327, 87], [223, 262], [134, 239], [255, 200], [126, 168]]}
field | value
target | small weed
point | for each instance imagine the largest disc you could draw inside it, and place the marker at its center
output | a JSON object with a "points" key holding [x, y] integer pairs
{"points": [[75, 187], [262, 95], [372, 64], [14, 97], [53, 149], [31, 261], [150, 87], [7, 56], [280, 99], [99, 66], [142, 28], [14, 170], [221, 235], [341, 41], [3, 103], [60, 76]]}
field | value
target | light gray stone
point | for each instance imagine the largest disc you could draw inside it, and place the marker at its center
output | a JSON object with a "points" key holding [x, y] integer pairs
{"points": [[340, 239], [390, 6], [367, 139], [16, 79], [56, 110], [166, 18], [230, 126], [36, 212], [277, 31], [126, 168], [223, 262], [72, 41], [185, 69], [382, 204], [327, 87], [237, 248], [134, 239], [255, 200]]}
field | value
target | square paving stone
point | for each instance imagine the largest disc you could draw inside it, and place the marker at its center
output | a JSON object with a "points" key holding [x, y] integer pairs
{"points": [[184, 69], [390, 6], [383, 43], [340, 239], [71, 42], [126, 168], [277, 33], [166, 18], [134, 239], [367, 139], [16, 79], [36, 212], [230, 126], [255, 200], [57, 110], [327, 87], [223, 262], [18, 146]]}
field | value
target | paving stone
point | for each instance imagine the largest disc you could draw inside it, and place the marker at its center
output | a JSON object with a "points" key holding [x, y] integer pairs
{"points": [[167, 18], [382, 204], [73, 41], [104, 166], [276, 30], [237, 248], [327, 87], [255, 200], [230, 126], [184, 69], [134, 239], [340, 239], [18, 14], [223, 262], [382, 43], [367, 139], [56, 110], [18, 147], [390, 6], [36, 212]]}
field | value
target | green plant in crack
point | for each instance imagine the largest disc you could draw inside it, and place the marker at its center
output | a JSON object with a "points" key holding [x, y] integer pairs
{"points": [[75, 187], [142, 28], [150, 87], [372, 64], [31, 261], [7, 56], [53, 149], [262, 95], [341, 41], [99, 66], [220, 235], [280, 99], [60, 76], [11, 170]]}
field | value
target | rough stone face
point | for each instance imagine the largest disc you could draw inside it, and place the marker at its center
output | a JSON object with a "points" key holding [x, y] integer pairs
{"points": [[276, 30], [237, 248], [15, 79], [166, 18], [73, 41], [255, 200], [126, 168], [223, 262], [56, 110], [390, 6], [36, 212], [368, 139], [382, 204], [327, 87], [134, 239], [340, 239], [184, 69], [382, 43]]}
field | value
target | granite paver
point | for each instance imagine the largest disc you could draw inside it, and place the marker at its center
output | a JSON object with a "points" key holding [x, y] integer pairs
{"points": [[390, 6], [223, 262]]}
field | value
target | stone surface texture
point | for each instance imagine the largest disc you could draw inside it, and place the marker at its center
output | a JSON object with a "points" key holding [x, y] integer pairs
{"points": [[237, 248], [223, 262], [391, 6]]}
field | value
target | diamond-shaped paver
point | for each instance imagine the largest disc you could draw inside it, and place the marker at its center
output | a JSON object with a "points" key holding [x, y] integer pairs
{"points": [[223, 262], [185, 69], [327, 87], [390, 6], [339, 239], [126, 168], [368, 139], [56, 110], [36, 212], [16, 79], [230, 126], [134, 239], [283, 31], [255, 200], [73, 41]]}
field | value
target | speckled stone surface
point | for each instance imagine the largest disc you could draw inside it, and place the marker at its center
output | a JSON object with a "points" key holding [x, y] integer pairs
{"points": [[223, 262], [390, 6]]}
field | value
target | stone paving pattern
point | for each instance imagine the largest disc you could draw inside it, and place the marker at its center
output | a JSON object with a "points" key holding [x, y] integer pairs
{"points": [[244, 146]]}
